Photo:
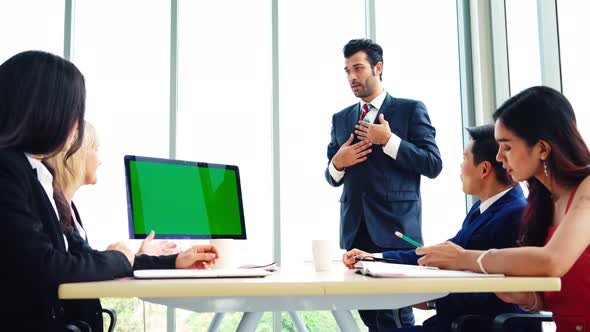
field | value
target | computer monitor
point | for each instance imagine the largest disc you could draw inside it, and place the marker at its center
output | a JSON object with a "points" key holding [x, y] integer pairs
{"points": [[183, 199]]}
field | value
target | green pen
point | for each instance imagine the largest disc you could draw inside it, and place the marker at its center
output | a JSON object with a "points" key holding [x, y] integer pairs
{"points": [[407, 239]]}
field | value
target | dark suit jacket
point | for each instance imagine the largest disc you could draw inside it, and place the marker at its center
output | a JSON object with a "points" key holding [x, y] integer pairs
{"points": [[79, 219], [498, 228], [88, 311], [35, 257], [383, 191]]}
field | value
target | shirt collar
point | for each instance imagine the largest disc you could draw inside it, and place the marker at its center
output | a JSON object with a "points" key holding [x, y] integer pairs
{"points": [[377, 102], [43, 174], [488, 202]]}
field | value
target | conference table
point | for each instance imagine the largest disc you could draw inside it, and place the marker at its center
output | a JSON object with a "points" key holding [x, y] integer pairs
{"points": [[338, 290]]}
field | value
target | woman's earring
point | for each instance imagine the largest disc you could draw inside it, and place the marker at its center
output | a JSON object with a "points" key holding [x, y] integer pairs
{"points": [[545, 167]]}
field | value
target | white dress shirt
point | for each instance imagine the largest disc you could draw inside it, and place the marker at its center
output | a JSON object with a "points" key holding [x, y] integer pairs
{"points": [[46, 180], [483, 206], [390, 148]]}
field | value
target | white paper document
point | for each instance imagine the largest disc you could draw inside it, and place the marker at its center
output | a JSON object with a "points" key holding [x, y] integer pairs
{"points": [[194, 273], [389, 270]]}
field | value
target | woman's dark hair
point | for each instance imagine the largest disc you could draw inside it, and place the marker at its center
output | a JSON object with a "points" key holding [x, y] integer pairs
{"points": [[485, 148], [42, 96], [541, 113], [373, 51]]}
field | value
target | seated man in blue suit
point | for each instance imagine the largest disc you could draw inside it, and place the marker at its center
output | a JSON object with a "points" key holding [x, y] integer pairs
{"points": [[492, 222]]}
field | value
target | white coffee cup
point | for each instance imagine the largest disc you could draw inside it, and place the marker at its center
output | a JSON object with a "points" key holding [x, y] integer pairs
{"points": [[322, 250], [226, 248]]}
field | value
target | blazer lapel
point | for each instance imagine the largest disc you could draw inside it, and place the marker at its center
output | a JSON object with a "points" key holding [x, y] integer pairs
{"points": [[468, 224], [50, 220], [489, 213], [477, 223], [386, 109], [354, 116]]}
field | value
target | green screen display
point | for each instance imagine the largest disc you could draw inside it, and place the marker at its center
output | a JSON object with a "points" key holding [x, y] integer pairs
{"points": [[179, 199]]}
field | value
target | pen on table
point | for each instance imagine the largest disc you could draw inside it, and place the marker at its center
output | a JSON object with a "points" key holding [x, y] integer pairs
{"points": [[376, 259], [407, 239]]}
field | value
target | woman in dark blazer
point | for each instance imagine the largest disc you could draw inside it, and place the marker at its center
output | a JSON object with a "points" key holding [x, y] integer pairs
{"points": [[42, 98], [69, 175]]}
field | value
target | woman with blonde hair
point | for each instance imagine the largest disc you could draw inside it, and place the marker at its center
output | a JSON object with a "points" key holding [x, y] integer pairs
{"points": [[79, 170]]}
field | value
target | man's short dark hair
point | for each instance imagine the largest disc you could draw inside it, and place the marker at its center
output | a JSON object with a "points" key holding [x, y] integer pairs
{"points": [[485, 148], [373, 51]]}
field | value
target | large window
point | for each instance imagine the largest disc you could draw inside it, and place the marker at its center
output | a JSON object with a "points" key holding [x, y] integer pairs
{"points": [[31, 25], [313, 86], [127, 73], [224, 103], [523, 44], [225, 87], [573, 29], [421, 62]]}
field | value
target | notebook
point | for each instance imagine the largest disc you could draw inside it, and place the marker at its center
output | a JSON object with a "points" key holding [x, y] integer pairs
{"points": [[194, 273], [389, 270]]}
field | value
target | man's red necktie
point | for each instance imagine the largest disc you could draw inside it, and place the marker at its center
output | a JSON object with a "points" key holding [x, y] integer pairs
{"points": [[365, 111]]}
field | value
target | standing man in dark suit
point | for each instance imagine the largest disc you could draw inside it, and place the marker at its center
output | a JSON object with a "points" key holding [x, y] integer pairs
{"points": [[492, 222], [379, 148]]}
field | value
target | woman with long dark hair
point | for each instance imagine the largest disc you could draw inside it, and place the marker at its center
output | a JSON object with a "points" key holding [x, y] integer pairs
{"points": [[540, 143], [42, 99]]}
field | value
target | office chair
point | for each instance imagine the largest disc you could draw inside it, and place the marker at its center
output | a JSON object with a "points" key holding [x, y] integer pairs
{"points": [[113, 318], [78, 326], [72, 328], [466, 323], [82, 326], [503, 322]]}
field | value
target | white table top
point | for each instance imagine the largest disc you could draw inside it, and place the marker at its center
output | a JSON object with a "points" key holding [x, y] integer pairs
{"points": [[303, 282]]}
